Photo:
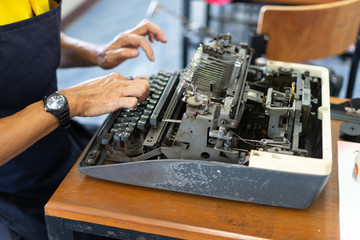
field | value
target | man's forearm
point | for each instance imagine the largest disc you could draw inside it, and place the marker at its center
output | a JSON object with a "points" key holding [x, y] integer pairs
{"points": [[22, 129], [76, 53]]}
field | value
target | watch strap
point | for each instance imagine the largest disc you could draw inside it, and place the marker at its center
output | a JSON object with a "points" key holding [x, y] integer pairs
{"points": [[64, 118]]}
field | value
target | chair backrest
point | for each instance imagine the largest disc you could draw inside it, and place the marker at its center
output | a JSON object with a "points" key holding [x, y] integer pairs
{"points": [[309, 32]]}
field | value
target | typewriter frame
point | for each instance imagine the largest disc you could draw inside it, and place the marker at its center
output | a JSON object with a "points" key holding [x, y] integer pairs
{"points": [[270, 178]]}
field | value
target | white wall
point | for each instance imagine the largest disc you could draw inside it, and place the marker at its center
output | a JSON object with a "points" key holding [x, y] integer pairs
{"points": [[69, 5]]}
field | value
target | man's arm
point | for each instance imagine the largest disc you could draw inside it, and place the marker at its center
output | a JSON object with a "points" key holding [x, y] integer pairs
{"points": [[22, 129], [76, 53], [91, 98]]}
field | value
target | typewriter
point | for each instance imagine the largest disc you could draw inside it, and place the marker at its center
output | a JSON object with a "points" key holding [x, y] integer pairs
{"points": [[223, 128]]}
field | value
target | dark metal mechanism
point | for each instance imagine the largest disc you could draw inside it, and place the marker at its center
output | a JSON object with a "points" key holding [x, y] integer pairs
{"points": [[197, 129]]}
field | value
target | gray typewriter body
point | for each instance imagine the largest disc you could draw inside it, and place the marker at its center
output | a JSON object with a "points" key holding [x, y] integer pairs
{"points": [[223, 128]]}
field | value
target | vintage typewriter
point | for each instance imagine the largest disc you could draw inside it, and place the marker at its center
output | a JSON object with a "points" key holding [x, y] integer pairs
{"points": [[223, 128]]}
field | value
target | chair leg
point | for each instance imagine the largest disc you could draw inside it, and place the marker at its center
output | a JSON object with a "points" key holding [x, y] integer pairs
{"points": [[353, 69]]}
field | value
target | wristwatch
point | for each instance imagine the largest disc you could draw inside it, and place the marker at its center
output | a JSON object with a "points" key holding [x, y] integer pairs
{"points": [[57, 105]]}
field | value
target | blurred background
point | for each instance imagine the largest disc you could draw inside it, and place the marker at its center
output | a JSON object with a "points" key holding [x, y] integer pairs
{"points": [[99, 21]]}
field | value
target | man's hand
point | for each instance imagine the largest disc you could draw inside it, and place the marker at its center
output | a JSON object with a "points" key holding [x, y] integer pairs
{"points": [[75, 53], [105, 94], [125, 45], [94, 97]]}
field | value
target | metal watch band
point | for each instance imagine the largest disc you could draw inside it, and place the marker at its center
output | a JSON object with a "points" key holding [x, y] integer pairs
{"points": [[64, 120]]}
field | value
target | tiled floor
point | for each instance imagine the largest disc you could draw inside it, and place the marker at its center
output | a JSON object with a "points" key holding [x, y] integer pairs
{"points": [[107, 18]]}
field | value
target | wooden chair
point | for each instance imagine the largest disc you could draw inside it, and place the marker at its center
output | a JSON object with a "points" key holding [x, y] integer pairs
{"points": [[309, 32]]}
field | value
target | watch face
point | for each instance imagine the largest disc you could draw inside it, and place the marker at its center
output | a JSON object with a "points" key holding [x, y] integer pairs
{"points": [[55, 102]]}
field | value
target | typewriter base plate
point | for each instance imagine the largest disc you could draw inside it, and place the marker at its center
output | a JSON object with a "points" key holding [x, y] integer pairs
{"points": [[227, 181]]}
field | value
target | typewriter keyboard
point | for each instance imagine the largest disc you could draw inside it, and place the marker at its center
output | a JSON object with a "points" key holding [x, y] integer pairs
{"points": [[125, 129]]}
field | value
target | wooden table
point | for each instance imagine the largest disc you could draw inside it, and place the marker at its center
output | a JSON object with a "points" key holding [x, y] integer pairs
{"points": [[105, 208]]}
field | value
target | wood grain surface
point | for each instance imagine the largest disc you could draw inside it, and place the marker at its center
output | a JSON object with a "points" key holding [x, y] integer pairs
{"points": [[304, 33]]}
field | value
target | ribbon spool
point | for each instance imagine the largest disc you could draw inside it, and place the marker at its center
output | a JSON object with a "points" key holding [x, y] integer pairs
{"points": [[350, 132]]}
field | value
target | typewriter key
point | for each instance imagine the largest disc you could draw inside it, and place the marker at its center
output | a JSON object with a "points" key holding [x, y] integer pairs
{"points": [[118, 136], [158, 92], [132, 124], [125, 136], [124, 119], [160, 87], [114, 130], [141, 109], [147, 112], [144, 103], [122, 124], [124, 114], [117, 125], [162, 78], [118, 129], [129, 129], [145, 117], [153, 101], [150, 106], [141, 124], [135, 119], [155, 96], [162, 83], [135, 114]]}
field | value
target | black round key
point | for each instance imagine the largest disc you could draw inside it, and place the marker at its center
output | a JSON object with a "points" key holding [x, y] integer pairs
{"points": [[150, 106], [125, 119], [147, 112], [160, 88], [117, 129], [125, 137], [117, 125], [145, 117], [162, 83], [134, 119], [118, 136], [129, 129], [155, 96], [153, 101], [114, 130], [132, 124]]}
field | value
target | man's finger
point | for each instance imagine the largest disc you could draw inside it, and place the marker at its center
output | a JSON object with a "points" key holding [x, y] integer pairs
{"points": [[135, 41], [157, 33], [151, 37], [146, 27], [139, 91], [127, 102], [124, 53], [145, 45]]}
